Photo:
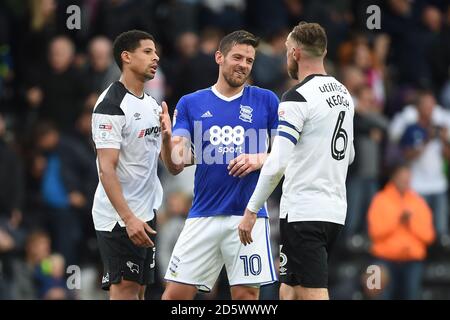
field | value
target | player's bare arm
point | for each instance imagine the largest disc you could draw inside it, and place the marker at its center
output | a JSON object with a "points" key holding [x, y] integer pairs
{"points": [[136, 229], [271, 174], [175, 151]]}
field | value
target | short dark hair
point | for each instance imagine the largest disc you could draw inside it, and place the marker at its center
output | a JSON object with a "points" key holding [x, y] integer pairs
{"points": [[311, 36], [397, 166], [422, 94], [128, 41], [237, 37], [44, 128]]}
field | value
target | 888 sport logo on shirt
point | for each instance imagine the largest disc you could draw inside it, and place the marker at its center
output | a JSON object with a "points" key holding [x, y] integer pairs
{"points": [[229, 139], [219, 144]]}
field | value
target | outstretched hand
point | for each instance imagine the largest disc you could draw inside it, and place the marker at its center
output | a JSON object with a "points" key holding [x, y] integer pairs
{"points": [[166, 124]]}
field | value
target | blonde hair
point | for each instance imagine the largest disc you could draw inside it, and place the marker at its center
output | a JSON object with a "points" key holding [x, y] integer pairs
{"points": [[38, 20]]}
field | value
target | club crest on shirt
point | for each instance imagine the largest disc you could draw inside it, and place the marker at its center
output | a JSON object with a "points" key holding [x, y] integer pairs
{"points": [[246, 114], [104, 130], [104, 135]]}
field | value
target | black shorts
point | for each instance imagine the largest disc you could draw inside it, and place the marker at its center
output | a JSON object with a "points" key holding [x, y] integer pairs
{"points": [[304, 253], [122, 259]]}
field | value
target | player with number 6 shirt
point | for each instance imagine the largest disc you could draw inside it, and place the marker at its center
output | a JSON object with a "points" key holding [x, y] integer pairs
{"points": [[313, 150]]}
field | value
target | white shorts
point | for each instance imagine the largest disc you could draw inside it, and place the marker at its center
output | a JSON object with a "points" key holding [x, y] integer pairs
{"points": [[208, 243]]}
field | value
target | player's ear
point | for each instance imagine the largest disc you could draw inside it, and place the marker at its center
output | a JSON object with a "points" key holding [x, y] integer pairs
{"points": [[219, 57], [297, 54], [125, 55]]}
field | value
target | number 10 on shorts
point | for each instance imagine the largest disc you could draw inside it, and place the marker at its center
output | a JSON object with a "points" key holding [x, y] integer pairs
{"points": [[252, 264]]}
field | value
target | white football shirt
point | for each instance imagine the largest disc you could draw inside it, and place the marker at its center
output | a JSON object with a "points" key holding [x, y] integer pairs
{"points": [[317, 116], [131, 124]]}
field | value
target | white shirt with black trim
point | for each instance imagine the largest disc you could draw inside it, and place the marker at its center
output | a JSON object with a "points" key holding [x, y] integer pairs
{"points": [[317, 117], [131, 124]]}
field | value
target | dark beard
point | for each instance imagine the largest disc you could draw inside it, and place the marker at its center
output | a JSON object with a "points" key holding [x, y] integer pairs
{"points": [[234, 83], [293, 72]]}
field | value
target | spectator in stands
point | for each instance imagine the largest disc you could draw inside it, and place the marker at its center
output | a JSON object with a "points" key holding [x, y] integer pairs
{"points": [[58, 94], [364, 59], [6, 61], [426, 146], [362, 182], [445, 53], [171, 224], [88, 180], [11, 202], [11, 170], [401, 229], [409, 115], [199, 71], [37, 248], [116, 16], [65, 171], [41, 275], [353, 79], [270, 63], [399, 23], [431, 38], [41, 27], [227, 15], [256, 15], [50, 278], [102, 71], [186, 47]]}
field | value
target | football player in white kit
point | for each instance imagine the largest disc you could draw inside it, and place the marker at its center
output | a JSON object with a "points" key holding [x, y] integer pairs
{"points": [[313, 150], [127, 136]]}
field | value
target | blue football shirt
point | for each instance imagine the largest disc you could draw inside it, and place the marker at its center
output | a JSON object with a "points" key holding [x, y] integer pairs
{"points": [[220, 129]]}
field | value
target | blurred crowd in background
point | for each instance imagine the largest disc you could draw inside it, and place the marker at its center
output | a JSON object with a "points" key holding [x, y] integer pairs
{"points": [[399, 77]]}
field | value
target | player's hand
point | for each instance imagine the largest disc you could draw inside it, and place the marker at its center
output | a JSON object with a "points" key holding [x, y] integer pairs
{"points": [[137, 232], [443, 135], [6, 241], [166, 124], [246, 226], [243, 164], [76, 199], [405, 218]]}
